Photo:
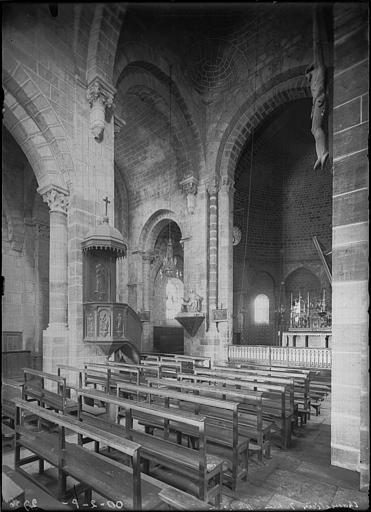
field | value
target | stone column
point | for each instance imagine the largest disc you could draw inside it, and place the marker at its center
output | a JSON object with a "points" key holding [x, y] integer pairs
{"points": [[55, 339], [57, 201], [225, 262], [147, 259], [213, 245]]}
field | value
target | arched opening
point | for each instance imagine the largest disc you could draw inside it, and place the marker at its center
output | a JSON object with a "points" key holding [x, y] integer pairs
{"points": [[168, 291], [25, 254], [280, 204]]}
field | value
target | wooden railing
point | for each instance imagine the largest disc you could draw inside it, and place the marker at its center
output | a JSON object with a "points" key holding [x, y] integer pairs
{"points": [[281, 356]]}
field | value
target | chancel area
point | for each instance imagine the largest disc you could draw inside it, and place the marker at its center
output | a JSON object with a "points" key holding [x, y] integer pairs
{"points": [[185, 256]]}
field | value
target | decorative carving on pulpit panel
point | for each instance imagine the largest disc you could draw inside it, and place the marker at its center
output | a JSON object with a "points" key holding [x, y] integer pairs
{"points": [[100, 282], [104, 324], [90, 324], [118, 331]]}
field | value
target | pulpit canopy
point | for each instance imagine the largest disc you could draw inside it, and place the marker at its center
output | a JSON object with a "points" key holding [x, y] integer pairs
{"points": [[105, 237]]}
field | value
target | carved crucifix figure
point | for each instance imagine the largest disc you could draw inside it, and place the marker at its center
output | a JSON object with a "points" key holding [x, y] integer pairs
{"points": [[316, 75], [107, 201]]}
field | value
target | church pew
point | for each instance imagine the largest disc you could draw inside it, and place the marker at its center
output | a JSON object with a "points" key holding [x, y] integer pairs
{"points": [[250, 403], [300, 384], [260, 378], [10, 389], [165, 368], [73, 460], [198, 467], [192, 361], [223, 435], [33, 494], [117, 482], [144, 370], [278, 403], [120, 371], [317, 391], [34, 390]]}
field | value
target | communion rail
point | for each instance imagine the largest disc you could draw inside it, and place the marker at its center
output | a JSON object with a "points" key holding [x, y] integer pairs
{"points": [[281, 356]]}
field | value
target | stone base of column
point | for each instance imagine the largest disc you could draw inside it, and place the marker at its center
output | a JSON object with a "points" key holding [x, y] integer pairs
{"points": [[364, 478], [55, 347]]}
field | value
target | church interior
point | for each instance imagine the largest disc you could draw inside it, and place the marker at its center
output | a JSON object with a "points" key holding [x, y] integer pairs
{"points": [[185, 256]]}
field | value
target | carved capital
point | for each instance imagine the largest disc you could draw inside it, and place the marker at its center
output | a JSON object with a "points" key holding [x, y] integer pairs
{"points": [[100, 92], [189, 185], [100, 97], [213, 187], [56, 198]]}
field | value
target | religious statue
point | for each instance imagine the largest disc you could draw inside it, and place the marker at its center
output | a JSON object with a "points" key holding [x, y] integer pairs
{"points": [[90, 325], [100, 277], [104, 324], [193, 303], [316, 75], [119, 324]]}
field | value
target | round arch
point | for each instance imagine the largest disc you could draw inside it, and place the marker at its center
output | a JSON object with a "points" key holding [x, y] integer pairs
{"points": [[281, 89], [35, 135], [153, 227]]}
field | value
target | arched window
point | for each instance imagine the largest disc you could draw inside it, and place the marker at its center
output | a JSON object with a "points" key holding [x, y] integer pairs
{"points": [[261, 309]]}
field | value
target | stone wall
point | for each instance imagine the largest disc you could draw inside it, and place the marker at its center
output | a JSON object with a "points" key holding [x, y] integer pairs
{"points": [[25, 249], [349, 410]]}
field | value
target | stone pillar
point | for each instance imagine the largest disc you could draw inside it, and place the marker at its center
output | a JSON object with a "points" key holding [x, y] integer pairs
{"points": [[213, 246], [225, 273], [349, 407], [147, 259], [55, 337]]}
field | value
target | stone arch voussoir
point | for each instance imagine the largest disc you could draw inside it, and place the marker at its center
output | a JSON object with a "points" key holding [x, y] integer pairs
{"points": [[280, 90], [153, 227], [35, 126]]}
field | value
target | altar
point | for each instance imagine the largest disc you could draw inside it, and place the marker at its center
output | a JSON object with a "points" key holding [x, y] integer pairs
{"points": [[304, 338], [309, 322]]}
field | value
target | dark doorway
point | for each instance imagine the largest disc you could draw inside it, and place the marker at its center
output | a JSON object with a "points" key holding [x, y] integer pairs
{"points": [[168, 339]]}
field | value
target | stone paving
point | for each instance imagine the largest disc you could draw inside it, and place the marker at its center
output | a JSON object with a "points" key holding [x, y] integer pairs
{"points": [[300, 478]]}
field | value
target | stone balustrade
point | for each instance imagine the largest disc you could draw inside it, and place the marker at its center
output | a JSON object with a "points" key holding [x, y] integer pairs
{"points": [[280, 356]]}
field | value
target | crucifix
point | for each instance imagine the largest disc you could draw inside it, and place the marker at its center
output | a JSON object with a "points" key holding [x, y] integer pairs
{"points": [[107, 201]]}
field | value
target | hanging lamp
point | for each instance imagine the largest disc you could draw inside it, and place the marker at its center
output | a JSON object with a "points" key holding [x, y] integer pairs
{"points": [[169, 262]]}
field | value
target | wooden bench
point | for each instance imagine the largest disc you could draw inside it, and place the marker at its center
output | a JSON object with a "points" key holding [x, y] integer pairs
{"points": [[165, 369], [261, 379], [223, 436], [10, 389], [111, 479], [189, 362], [299, 380], [34, 496], [278, 404], [34, 389], [250, 420], [7, 434], [200, 468]]}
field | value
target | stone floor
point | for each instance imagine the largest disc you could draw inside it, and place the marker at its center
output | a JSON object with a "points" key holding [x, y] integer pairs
{"points": [[300, 478]]}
